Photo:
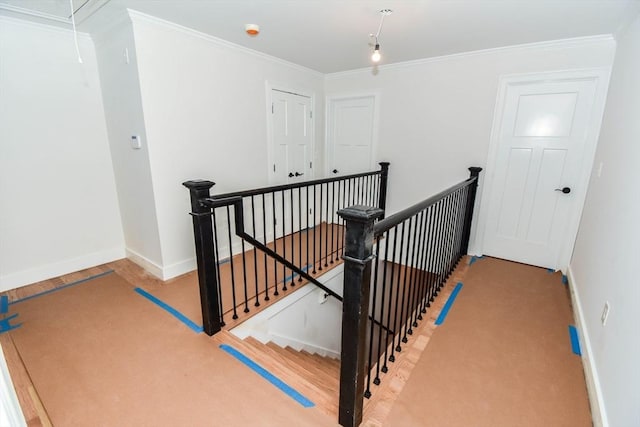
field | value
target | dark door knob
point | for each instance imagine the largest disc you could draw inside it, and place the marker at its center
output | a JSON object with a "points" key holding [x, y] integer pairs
{"points": [[335, 171], [299, 174], [290, 174], [565, 190]]}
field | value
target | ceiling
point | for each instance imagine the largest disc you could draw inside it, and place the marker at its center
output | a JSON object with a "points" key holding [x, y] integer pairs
{"points": [[333, 35]]}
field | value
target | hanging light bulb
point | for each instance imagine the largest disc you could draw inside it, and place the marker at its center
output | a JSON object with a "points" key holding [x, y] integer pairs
{"points": [[376, 54], [375, 57]]}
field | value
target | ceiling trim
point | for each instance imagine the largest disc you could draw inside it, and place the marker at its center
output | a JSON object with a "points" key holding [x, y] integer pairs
{"points": [[552, 44], [31, 12], [136, 15], [41, 26]]}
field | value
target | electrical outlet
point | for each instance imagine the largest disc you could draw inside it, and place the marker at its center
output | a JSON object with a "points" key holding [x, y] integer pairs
{"points": [[605, 313]]}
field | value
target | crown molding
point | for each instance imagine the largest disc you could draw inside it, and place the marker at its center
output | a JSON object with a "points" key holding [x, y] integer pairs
{"points": [[143, 17], [41, 26], [552, 44]]}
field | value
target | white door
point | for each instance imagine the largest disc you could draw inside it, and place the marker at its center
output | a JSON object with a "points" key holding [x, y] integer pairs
{"points": [[292, 130], [545, 138], [292, 123], [351, 133]]}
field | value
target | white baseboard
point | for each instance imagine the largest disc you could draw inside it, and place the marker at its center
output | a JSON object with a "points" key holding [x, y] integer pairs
{"points": [[144, 262], [47, 271], [10, 412], [178, 268], [598, 411]]}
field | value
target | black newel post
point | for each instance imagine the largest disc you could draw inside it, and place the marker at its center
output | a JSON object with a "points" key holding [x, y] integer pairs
{"points": [[355, 309], [384, 176], [205, 257], [475, 172]]}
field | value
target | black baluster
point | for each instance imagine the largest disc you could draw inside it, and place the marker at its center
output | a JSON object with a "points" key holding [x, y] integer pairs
{"points": [[264, 235], [275, 244], [405, 268], [284, 243], [381, 328], [293, 246], [232, 262], [320, 229], [388, 325], [333, 219], [300, 232], [255, 252], [217, 255], [314, 228]]}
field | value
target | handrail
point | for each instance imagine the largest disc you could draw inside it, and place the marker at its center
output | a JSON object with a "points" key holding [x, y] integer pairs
{"points": [[391, 221], [422, 246], [263, 190], [236, 202]]}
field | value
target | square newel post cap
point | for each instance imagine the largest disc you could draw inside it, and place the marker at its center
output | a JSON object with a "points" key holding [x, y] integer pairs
{"points": [[475, 170], [198, 184], [360, 213]]}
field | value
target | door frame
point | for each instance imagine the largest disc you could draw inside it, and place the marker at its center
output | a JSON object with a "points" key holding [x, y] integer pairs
{"points": [[269, 87], [328, 152], [601, 77]]}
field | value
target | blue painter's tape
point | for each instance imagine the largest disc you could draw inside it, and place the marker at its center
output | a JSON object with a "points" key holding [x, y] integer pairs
{"points": [[565, 280], [175, 313], [449, 303], [284, 387], [474, 259], [290, 278], [575, 342], [77, 282], [4, 304], [550, 270]]}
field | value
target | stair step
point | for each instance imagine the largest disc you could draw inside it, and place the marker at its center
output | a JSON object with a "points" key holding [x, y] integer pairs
{"points": [[306, 367], [314, 365], [284, 369]]}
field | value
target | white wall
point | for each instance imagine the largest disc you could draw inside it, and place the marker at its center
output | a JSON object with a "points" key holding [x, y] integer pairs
{"points": [[436, 114], [205, 111], [605, 259], [116, 53], [58, 205]]}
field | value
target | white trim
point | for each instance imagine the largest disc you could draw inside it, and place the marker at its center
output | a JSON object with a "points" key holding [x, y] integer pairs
{"points": [[145, 263], [81, 14], [179, 268], [269, 88], [600, 75], [143, 17], [160, 271], [47, 271], [328, 120], [10, 411], [41, 26], [594, 390], [552, 44]]}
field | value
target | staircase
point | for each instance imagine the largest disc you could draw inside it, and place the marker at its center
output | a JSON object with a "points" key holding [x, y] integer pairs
{"points": [[314, 376]]}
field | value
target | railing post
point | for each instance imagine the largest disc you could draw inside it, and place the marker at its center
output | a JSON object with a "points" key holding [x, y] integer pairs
{"points": [[205, 256], [355, 309], [475, 172], [384, 176]]}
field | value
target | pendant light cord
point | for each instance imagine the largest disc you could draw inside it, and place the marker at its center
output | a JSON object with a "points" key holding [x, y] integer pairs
{"points": [[75, 32]]}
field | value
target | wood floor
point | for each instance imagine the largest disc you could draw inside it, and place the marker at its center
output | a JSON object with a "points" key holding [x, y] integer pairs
{"points": [[309, 374]]}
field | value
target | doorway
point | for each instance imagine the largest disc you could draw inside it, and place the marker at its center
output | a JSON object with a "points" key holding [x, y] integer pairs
{"points": [[542, 148], [351, 134]]}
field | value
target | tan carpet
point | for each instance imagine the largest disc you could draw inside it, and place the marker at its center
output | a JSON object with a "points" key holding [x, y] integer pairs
{"points": [[502, 357], [101, 355]]}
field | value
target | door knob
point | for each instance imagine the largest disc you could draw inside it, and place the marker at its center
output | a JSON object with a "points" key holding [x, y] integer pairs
{"points": [[335, 171], [290, 174], [565, 190], [299, 174]]}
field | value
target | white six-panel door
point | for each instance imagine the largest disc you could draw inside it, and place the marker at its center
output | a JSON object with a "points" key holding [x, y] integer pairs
{"points": [[291, 127], [350, 135], [544, 144]]}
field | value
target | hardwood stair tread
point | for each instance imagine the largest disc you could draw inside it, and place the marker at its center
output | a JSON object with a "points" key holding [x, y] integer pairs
{"points": [[283, 369]]}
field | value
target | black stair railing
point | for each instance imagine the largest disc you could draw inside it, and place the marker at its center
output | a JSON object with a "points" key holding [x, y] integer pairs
{"points": [[415, 252], [256, 244]]}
